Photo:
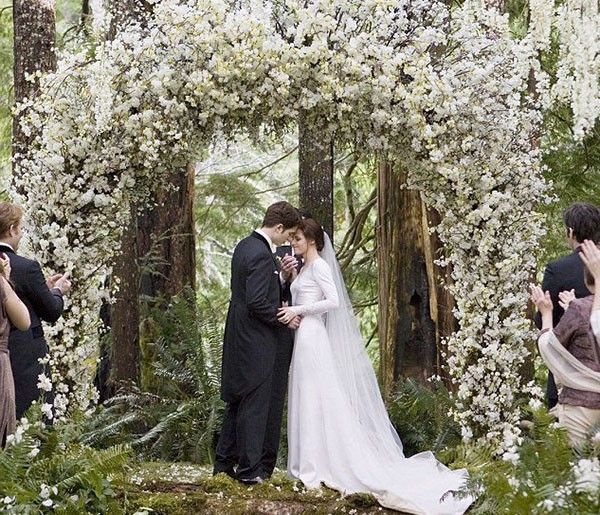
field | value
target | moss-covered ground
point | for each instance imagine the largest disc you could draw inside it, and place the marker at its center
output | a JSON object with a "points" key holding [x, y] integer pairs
{"points": [[166, 488]]}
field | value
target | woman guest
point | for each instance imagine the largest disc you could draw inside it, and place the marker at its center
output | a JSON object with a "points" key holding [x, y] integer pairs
{"points": [[12, 311], [571, 351]]}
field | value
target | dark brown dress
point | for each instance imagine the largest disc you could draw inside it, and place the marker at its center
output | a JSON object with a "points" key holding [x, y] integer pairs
{"points": [[7, 384]]}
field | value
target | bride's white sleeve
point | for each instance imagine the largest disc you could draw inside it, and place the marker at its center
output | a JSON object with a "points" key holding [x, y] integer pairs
{"points": [[595, 323], [324, 278]]}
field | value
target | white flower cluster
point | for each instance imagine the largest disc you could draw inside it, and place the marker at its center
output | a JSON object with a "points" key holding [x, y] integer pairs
{"points": [[391, 76], [576, 26]]}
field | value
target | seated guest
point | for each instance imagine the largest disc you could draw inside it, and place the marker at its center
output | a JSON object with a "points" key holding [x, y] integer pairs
{"points": [[12, 311], [44, 301], [571, 353]]}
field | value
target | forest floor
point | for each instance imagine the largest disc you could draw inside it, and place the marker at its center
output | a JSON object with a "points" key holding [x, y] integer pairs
{"points": [[176, 488]]}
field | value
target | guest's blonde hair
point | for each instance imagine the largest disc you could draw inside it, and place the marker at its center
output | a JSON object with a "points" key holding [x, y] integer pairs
{"points": [[10, 215]]}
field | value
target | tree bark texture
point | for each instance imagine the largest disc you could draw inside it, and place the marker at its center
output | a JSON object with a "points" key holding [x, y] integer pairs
{"points": [[166, 240], [414, 309], [125, 311], [34, 37], [315, 155]]}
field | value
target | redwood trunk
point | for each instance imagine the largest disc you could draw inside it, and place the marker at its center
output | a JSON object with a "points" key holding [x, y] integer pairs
{"points": [[166, 238], [315, 157], [34, 37], [413, 314], [125, 311]]}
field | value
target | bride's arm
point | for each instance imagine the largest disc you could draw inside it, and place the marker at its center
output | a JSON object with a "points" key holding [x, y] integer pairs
{"points": [[323, 277]]}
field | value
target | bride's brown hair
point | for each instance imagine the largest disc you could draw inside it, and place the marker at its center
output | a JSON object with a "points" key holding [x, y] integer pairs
{"points": [[313, 231]]}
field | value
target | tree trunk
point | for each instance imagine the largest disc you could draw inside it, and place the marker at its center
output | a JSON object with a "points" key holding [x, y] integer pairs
{"points": [[125, 311], [34, 32], [316, 173], [442, 301], [166, 240], [407, 329]]}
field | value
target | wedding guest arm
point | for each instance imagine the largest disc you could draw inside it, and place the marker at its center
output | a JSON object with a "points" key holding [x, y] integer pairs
{"points": [[590, 255], [47, 302], [17, 312]]}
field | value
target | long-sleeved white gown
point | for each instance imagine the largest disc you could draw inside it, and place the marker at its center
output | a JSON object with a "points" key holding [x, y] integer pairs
{"points": [[327, 443]]}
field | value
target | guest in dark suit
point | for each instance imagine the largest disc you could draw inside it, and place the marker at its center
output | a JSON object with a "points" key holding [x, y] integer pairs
{"points": [[582, 222], [250, 346], [44, 301]]}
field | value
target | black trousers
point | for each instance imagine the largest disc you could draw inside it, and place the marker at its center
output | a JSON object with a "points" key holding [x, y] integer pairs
{"points": [[24, 359], [243, 434], [278, 392], [251, 428]]}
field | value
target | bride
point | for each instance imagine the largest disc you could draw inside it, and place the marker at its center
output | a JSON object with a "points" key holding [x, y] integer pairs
{"points": [[339, 432]]}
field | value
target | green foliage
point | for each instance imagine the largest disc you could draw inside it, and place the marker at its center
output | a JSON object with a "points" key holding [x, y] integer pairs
{"points": [[49, 469], [420, 415], [541, 481], [174, 414]]}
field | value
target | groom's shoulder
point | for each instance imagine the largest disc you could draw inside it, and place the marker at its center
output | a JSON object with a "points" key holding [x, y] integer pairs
{"points": [[250, 243]]}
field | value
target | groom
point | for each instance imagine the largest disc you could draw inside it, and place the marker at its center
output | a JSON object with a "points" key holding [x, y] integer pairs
{"points": [[250, 381]]}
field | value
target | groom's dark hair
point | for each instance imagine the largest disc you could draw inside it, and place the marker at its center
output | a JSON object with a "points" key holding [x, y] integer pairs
{"points": [[281, 213]]}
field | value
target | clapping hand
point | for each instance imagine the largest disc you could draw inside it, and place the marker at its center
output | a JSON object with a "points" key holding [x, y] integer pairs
{"points": [[565, 298], [590, 255], [60, 281], [541, 299]]}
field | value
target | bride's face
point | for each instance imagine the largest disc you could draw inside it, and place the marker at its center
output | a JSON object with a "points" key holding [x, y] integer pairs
{"points": [[300, 244]]}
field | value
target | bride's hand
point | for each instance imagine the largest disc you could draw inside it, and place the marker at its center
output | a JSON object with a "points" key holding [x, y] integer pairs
{"points": [[286, 315]]}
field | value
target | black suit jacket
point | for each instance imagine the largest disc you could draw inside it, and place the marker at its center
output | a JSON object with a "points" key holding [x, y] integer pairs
{"points": [[563, 274], [252, 328], [27, 347]]}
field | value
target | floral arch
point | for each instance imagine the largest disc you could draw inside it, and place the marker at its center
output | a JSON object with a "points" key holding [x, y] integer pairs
{"points": [[393, 77]]}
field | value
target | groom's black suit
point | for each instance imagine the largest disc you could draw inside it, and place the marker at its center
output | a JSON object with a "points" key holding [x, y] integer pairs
{"points": [[250, 346], [26, 347]]}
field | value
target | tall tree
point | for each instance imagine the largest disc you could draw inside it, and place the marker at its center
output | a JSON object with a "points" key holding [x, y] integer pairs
{"points": [[35, 34], [157, 250], [315, 155], [166, 242], [415, 311]]}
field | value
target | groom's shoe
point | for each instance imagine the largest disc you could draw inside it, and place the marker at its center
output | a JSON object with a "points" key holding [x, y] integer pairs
{"points": [[251, 482]]}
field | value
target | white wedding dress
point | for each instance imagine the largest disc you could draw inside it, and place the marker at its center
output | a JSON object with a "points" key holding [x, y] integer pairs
{"points": [[339, 433]]}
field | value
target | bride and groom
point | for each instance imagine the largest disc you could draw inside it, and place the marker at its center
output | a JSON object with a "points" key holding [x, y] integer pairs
{"points": [[339, 432]]}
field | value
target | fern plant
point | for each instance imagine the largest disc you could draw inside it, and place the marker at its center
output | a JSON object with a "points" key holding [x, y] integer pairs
{"points": [[47, 469], [420, 415], [175, 412]]}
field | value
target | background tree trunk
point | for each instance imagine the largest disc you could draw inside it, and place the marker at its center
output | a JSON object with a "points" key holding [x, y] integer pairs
{"points": [[125, 313], [414, 310], [166, 238], [316, 173], [35, 33]]}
